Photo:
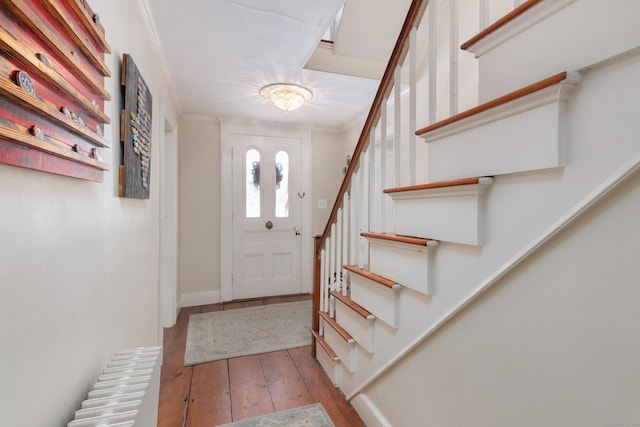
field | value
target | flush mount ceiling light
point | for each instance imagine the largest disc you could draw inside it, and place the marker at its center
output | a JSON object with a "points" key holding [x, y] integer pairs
{"points": [[287, 97]]}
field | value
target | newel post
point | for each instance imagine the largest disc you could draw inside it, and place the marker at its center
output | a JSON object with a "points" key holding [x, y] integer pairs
{"points": [[315, 316]]}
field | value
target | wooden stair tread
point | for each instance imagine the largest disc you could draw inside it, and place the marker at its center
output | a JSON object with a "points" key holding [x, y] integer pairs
{"points": [[419, 241], [520, 93], [500, 23], [378, 279], [343, 334], [332, 354], [440, 184], [353, 305]]}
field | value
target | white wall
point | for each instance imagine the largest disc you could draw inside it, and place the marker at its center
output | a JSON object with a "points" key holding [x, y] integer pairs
{"points": [[554, 343], [200, 194], [350, 136], [200, 209], [78, 264], [327, 176], [168, 289]]}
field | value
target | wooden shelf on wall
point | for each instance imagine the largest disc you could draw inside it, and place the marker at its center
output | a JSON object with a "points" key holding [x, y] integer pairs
{"points": [[76, 35], [23, 138], [48, 37], [87, 19], [10, 90], [52, 90], [23, 54]]}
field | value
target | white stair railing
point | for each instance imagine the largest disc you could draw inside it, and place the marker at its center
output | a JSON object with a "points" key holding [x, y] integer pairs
{"points": [[361, 205]]}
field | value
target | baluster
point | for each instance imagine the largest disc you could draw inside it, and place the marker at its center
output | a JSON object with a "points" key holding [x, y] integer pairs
{"points": [[323, 280], [485, 12], [345, 241], [374, 198], [383, 160], [334, 260], [363, 249], [317, 289], [333, 257], [327, 273], [339, 239], [397, 127], [354, 239], [454, 50], [413, 96], [433, 58]]}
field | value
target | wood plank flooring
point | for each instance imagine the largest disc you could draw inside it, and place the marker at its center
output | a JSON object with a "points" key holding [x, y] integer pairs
{"points": [[215, 393]]}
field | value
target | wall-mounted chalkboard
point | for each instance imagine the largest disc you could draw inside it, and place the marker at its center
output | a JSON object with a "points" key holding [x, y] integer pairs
{"points": [[135, 133], [52, 91]]}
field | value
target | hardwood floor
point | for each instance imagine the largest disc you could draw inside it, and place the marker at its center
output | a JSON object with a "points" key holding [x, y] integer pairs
{"points": [[215, 393]]}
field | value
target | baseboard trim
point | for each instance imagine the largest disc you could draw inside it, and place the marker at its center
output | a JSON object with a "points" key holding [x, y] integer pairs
{"points": [[200, 298], [369, 412]]}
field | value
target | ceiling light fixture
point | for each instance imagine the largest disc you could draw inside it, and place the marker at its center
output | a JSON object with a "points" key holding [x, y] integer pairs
{"points": [[286, 96]]}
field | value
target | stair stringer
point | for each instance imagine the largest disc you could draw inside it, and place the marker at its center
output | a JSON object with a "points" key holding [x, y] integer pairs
{"points": [[412, 318], [521, 207], [545, 325]]}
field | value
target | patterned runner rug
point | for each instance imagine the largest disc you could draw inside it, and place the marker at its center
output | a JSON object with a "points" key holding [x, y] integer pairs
{"points": [[244, 331], [304, 416]]}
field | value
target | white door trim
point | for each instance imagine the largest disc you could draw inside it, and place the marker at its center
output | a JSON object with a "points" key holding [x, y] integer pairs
{"points": [[228, 128], [168, 219]]}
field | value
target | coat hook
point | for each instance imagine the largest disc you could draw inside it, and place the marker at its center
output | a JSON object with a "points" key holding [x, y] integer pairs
{"points": [[301, 195]]}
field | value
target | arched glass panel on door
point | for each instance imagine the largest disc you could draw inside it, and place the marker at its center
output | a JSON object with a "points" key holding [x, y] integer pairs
{"points": [[252, 187], [282, 184]]}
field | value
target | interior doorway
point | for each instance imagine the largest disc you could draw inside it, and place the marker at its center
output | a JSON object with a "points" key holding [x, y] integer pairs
{"points": [[277, 258]]}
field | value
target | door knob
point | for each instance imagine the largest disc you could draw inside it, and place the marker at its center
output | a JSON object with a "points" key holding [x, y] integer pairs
{"points": [[269, 225], [296, 229]]}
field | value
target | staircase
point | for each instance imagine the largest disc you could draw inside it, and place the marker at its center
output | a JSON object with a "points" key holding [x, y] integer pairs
{"points": [[433, 225]]}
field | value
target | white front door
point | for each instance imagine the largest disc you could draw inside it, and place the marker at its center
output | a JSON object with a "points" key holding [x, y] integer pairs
{"points": [[266, 216]]}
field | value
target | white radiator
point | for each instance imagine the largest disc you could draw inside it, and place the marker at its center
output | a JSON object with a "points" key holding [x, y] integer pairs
{"points": [[126, 394]]}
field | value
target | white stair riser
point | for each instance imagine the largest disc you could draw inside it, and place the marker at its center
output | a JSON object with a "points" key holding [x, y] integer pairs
{"points": [[403, 263], [359, 328], [453, 214], [380, 300], [346, 351], [572, 38], [331, 367], [531, 140]]}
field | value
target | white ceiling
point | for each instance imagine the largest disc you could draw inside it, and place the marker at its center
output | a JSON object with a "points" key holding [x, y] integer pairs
{"points": [[219, 53]]}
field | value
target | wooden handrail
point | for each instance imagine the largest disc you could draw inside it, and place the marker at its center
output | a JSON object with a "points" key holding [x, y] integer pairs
{"points": [[414, 15]]}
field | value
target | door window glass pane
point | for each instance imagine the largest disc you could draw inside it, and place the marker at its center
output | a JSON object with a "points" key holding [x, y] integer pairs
{"points": [[252, 173], [282, 184]]}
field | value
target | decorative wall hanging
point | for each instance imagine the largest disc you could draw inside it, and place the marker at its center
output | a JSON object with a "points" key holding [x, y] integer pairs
{"points": [[135, 133], [52, 87]]}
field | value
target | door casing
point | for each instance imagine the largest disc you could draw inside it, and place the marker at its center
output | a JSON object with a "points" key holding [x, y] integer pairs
{"points": [[229, 128]]}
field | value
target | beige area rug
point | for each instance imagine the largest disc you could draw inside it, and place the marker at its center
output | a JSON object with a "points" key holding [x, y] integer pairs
{"points": [[244, 331], [304, 416]]}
